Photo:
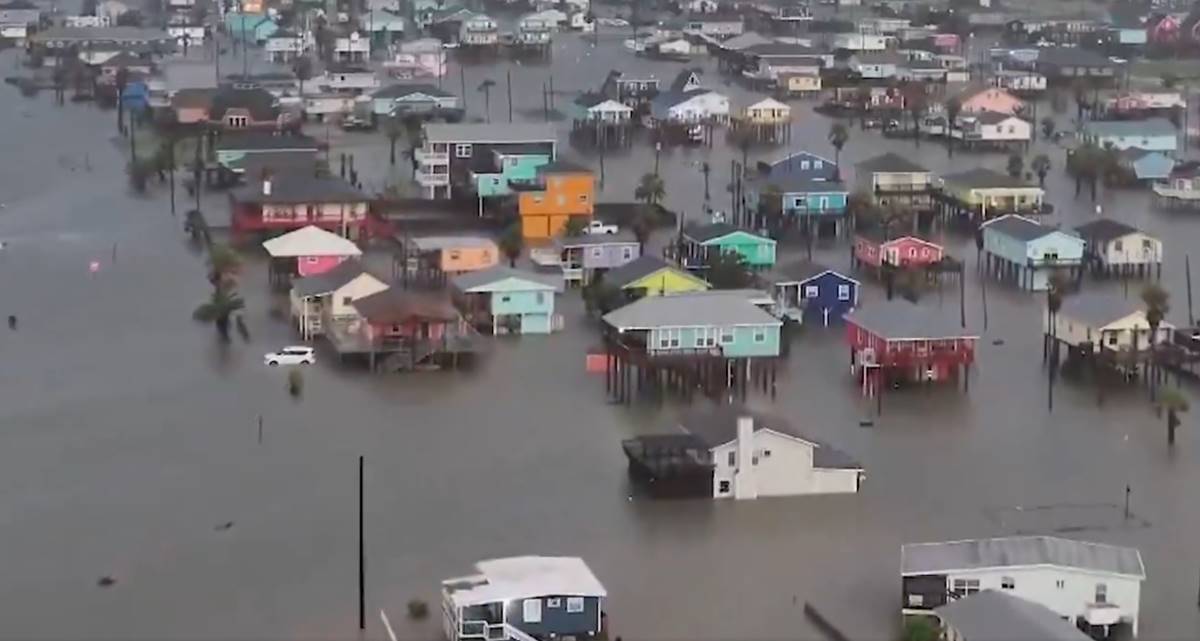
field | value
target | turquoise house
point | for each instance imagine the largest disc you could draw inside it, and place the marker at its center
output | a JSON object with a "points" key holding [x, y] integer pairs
{"points": [[1026, 252], [809, 188], [509, 301], [1152, 134], [1146, 165], [699, 240], [250, 26], [729, 324], [508, 167]]}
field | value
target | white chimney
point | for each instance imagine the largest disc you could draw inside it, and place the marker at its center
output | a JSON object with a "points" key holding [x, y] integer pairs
{"points": [[743, 477], [266, 186]]}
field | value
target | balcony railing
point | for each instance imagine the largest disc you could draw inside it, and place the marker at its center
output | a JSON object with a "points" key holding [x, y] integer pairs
{"points": [[425, 157], [429, 179]]}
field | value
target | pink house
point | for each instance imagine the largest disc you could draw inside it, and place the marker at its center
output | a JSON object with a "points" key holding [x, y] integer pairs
{"points": [[990, 99], [308, 251]]}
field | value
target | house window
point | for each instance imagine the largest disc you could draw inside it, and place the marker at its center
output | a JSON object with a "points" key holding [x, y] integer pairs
{"points": [[816, 164], [766, 454], [760, 335], [732, 459], [597, 252], [311, 260], [627, 253], [803, 165], [562, 200], [916, 600], [843, 292], [1060, 584], [966, 587], [723, 487], [554, 602], [1101, 593], [455, 254], [236, 122], [583, 198], [727, 336], [574, 604], [1112, 339], [541, 298], [811, 291], [912, 252], [1007, 583], [462, 151], [1117, 245], [531, 610], [505, 299], [346, 300]]}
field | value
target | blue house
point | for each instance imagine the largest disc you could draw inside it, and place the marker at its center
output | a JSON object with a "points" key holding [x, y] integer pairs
{"points": [[1026, 252], [1152, 134], [814, 293], [809, 187], [725, 323], [1146, 165], [524, 597], [255, 27], [509, 301], [136, 97]]}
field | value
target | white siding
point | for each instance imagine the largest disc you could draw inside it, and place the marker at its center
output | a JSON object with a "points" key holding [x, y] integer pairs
{"points": [[709, 105], [786, 471], [1075, 332], [1132, 251]]}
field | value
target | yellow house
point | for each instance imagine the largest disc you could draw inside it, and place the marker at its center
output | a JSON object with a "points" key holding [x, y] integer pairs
{"points": [[653, 276], [767, 111], [800, 84], [994, 192]]}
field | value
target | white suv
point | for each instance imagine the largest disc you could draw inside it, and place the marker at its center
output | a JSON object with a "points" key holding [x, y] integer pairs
{"points": [[293, 355]]}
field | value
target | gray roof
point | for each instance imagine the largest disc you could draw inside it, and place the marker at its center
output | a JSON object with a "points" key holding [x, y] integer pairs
{"points": [[992, 117], [261, 141], [1104, 229], [687, 310], [901, 320], [778, 49], [984, 178], [104, 34], [1019, 551], [714, 231], [639, 267], [486, 132], [1018, 227], [482, 277], [801, 271], [1098, 309], [298, 187], [328, 281], [890, 163], [400, 91], [998, 616], [1130, 128], [717, 425], [1072, 57], [622, 237]]}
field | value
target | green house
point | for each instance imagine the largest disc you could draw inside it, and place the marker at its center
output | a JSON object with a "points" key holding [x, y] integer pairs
{"points": [[699, 240], [723, 323], [506, 167]]}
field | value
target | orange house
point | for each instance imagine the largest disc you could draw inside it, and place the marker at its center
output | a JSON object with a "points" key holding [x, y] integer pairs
{"points": [[562, 190]]}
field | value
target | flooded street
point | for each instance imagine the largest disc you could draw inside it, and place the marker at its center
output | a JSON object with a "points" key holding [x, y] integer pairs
{"points": [[127, 435]]}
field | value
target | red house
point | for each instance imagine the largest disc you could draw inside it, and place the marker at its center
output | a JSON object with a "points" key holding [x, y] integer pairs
{"points": [[895, 341], [410, 329], [871, 249], [295, 200]]}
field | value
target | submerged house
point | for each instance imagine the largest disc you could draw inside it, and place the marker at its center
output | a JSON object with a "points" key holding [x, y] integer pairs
{"points": [[819, 294], [321, 300], [1026, 252], [589, 256], [699, 241], [997, 615], [522, 598], [688, 101], [308, 251], [873, 249], [504, 300], [895, 342], [293, 200], [1143, 165], [721, 324], [1153, 134], [990, 193], [894, 179], [1101, 321]]}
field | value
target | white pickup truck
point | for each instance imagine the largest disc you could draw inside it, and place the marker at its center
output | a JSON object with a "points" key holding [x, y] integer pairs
{"points": [[599, 228]]}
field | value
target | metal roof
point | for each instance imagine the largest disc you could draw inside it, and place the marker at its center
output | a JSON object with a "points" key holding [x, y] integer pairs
{"points": [[998, 616], [1104, 229], [984, 178], [638, 268], [687, 310], [802, 271], [403, 90], [1019, 551], [478, 281], [310, 241], [901, 320], [890, 162], [1129, 128], [1018, 227], [714, 231], [264, 141], [522, 577], [1098, 309], [717, 425], [295, 187], [487, 132], [329, 281], [437, 243]]}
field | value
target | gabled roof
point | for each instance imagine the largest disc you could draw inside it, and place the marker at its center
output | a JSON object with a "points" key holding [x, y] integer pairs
{"points": [[685, 78], [259, 102], [984, 178], [1072, 57], [310, 241], [998, 616], [768, 103], [1104, 230], [563, 167], [993, 117], [622, 237], [487, 132], [688, 310], [395, 306], [296, 188], [778, 49], [714, 231], [1019, 551], [439, 243], [266, 141], [522, 577], [744, 41], [1099, 309], [803, 271], [890, 162], [482, 280], [901, 320], [1018, 227], [401, 91], [330, 280], [1129, 128], [193, 98], [639, 268], [717, 425]]}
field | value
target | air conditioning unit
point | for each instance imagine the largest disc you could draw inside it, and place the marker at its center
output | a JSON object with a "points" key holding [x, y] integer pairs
{"points": [[867, 357]]}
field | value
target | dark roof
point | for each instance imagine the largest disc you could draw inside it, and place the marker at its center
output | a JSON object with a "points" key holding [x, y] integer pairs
{"points": [[275, 163], [328, 281], [639, 267], [901, 320], [17, 4], [1072, 57], [400, 91], [259, 102], [1098, 309], [1018, 551], [775, 49], [992, 117], [1104, 229], [890, 163], [801, 271], [984, 178], [400, 306], [263, 141], [589, 100], [622, 237], [298, 187], [682, 78], [342, 67], [193, 97], [998, 616], [563, 167], [717, 425], [1019, 227], [126, 59], [713, 231], [486, 163]]}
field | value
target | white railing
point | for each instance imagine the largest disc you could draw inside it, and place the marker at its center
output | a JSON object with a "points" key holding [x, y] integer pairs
{"points": [[429, 179], [432, 157]]}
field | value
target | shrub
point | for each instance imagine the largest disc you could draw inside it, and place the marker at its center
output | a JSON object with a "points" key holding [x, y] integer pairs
{"points": [[417, 609]]}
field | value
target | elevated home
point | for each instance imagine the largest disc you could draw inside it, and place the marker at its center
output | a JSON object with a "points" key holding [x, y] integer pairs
{"points": [[767, 112], [629, 90], [294, 200], [860, 42], [721, 324], [16, 17], [284, 46], [809, 187], [1067, 64], [814, 292], [893, 342], [561, 191], [478, 30], [587, 257], [597, 108], [988, 193], [688, 101], [1112, 247], [699, 241], [1096, 585], [799, 83], [525, 597], [976, 99], [422, 100], [1154, 134], [420, 58], [1020, 82], [234, 109], [250, 27], [1026, 252], [240, 151], [1101, 321], [308, 251], [410, 329], [1143, 165], [348, 78], [536, 30], [895, 180], [993, 615], [874, 249], [453, 156], [55, 39], [714, 25], [993, 129], [384, 26], [351, 47], [509, 301], [277, 83], [872, 65], [321, 299], [652, 276], [1181, 188], [507, 170], [428, 260]]}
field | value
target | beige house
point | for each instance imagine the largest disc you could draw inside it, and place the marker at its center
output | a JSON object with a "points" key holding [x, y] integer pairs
{"points": [[800, 84], [328, 297], [767, 111], [1114, 247], [1105, 321], [894, 179], [993, 191]]}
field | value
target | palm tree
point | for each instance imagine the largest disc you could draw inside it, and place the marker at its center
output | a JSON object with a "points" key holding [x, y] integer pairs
{"points": [[915, 101], [1016, 165], [650, 189], [1048, 126], [220, 306], [511, 243], [860, 207], [953, 108], [1174, 402], [121, 81], [574, 226], [1080, 93], [393, 128], [1041, 166], [770, 208], [862, 97], [223, 265], [486, 88], [1158, 302], [838, 135], [303, 68], [641, 226]]}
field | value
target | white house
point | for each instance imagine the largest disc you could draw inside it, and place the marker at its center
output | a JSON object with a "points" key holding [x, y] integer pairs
{"points": [[87, 21], [1115, 247], [755, 455], [192, 34], [993, 615], [327, 296], [597, 108], [1019, 81], [1093, 582], [876, 66], [478, 30], [421, 58], [351, 48], [348, 79], [284, 46], [859, 42], [417, 99], [1105, 321], [989, 126]]}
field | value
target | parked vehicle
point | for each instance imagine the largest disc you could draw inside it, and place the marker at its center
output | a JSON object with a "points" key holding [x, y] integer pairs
{"points": [[291, 355], [355, 123], [599, 228]]}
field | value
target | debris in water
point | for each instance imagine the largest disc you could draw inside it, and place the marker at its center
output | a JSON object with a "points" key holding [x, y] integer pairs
{"points": [[998, 341], [866, 422], [224, 526], [106, 581]]}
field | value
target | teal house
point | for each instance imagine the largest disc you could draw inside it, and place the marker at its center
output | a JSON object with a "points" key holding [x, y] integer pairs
{"points": [[1025, 252], [727, 324], [700, 240], [497, 174], [250, 26], [504, 300], [809, 188]]}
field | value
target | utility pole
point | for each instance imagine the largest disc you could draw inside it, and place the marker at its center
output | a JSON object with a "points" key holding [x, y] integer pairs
{"points": [[462, 78], [510, 95], [362, 573]]}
